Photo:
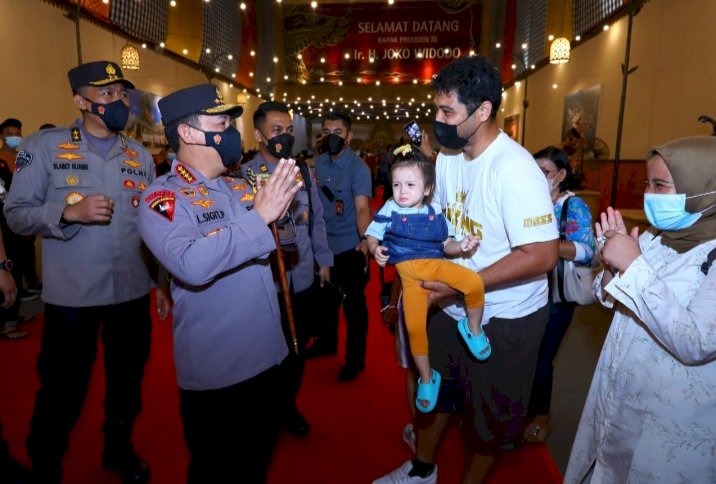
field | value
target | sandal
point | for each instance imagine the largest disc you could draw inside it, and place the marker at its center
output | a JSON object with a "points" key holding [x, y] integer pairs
{"points": [[479, 346], [428, 391], [12, 333]]}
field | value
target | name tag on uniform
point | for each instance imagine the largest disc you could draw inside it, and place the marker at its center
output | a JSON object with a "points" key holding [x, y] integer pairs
{"points": [[339, 207]]}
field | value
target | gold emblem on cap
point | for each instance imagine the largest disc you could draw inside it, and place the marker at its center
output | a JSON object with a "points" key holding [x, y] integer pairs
{"points": [[110, 70], [219, 98]]}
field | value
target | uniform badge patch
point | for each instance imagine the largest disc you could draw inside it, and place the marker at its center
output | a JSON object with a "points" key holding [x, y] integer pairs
{"points": [[135, 201], [215, 231], [132, 163], [164, 206], [239, 186], [69, 156], [188, 192], [247, 197], [73, 198], [130, 153], [68, 146], [263, 168], [23, 159], [203, 203], [142, 186], [159, 194], [202, 189], [185, 174], [129, 184], [76, 134], [72, 180], [217, 139]]}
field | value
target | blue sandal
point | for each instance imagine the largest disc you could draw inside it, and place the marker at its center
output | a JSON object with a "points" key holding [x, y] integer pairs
{"points": [[428, 391], [479, 346]]}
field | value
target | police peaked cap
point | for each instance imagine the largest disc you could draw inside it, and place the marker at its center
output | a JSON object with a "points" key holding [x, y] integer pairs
{"points": [[96, 74], [199, 99]]}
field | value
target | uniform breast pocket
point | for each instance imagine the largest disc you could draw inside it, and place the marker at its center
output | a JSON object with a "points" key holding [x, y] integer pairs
{"points": [[132, 189], [72, 187]]}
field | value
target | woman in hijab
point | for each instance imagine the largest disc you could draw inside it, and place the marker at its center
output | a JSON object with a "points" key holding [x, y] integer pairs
{"points": [[650, 413]]}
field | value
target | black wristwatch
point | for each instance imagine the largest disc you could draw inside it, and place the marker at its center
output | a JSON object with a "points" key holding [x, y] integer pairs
{"points": [[6, 265], [362, 238]]}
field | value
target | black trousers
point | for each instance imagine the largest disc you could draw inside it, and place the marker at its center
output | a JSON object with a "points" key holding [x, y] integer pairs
{"points": [[231, 432], [350, 275], [560, 317], [69, 347]]}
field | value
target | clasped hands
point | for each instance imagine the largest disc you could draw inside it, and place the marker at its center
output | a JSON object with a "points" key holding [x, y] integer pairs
{"points": [[617, 248]]}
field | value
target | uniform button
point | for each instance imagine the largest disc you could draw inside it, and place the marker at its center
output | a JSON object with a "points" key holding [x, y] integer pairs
{"points": [[404, 219]]}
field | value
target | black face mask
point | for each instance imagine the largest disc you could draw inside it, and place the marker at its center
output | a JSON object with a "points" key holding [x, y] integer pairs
{"points": [[227, 143], [114, 115], [334, 144], [447, 136], [281, 146]]}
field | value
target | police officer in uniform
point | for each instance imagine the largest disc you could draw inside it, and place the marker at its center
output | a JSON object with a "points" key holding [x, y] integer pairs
{"points": [[304, 224], [79, 188], [211, 233]]}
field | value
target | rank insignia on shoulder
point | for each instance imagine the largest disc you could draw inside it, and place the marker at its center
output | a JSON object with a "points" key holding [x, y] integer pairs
{"points": [[239, 186], [185, 174], [203, 203], [188, 192], [76, 134], [129, 152], [23, 159], [132, 163], [129, 184], [72, 180], [202, 189], [135, 201], [263, 168], [142, 186], [68, 146], [73, 198], [69, 156], [164, 206]]}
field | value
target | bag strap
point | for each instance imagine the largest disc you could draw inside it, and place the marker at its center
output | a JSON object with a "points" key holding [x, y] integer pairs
{"points": [[328, 193], [709, 260], [562, 238]]}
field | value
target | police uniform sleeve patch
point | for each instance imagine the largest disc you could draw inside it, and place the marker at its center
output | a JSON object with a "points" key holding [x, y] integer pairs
{"points": [[164, 206], [23, 159]]}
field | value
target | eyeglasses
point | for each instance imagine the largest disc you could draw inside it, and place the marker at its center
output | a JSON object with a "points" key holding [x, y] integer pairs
{"points": [[547, 172]]}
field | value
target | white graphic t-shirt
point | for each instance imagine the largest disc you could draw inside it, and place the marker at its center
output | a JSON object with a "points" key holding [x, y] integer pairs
{"points": [[502, 197]]}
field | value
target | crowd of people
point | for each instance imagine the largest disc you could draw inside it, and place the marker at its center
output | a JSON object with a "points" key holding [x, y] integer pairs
{"points": [[475, 234]]}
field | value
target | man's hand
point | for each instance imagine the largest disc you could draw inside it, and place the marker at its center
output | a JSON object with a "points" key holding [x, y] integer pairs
{"points": [[8, 288], [91, 209], [438, 291], [324, 275], [363, 247], [273, 199], [163, 301]]}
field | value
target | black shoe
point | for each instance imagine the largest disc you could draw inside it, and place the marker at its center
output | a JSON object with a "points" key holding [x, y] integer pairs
{"points": [[131, 469], [349, 373], [296, 425]]}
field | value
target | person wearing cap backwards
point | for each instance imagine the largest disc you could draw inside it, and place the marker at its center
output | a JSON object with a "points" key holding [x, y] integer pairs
{"points": [[79, 188], [273, 131], [212, 234]]}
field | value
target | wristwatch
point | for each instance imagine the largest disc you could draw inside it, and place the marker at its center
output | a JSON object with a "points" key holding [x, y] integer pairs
{"points": [[362, 238], [6, 265]]}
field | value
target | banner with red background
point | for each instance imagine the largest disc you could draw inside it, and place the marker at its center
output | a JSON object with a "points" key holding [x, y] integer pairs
{"points": [[406, 41]]}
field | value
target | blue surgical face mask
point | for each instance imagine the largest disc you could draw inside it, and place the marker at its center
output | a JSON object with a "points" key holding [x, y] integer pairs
{"points": [[13, 141], [668, 211]]}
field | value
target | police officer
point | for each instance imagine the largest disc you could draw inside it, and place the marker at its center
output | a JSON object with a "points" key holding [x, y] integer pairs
{"points": [[211, 233], [346, 188], [304, 225], [79, 188]]}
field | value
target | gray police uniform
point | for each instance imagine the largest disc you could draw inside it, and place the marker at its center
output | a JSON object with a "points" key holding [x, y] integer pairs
{"points": [[92, 273], [82, 265], [226, 316], [309, 248]]}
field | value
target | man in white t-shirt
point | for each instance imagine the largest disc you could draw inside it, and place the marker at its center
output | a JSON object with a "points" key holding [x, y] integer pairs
{"points": [[488, 186]]}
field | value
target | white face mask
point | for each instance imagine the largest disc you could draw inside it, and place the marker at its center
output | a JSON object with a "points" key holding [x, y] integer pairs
{"points": [[553, 184]]}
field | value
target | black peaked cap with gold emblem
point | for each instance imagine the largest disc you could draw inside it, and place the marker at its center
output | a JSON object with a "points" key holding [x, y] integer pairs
{"points": [[200, 99], [99, 73]]}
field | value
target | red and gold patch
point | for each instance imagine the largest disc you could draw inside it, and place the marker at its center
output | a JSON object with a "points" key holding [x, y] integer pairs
{"points": [[188, 192], [69, 156], [202, 189], [164, 206], [73, 198], [203, 203], [132, 163], [130, 153], [68, 146], [217, 139], [135, 201], [129, 184], [185, 174], [142, 186], [239, 186], [159, 194]]}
